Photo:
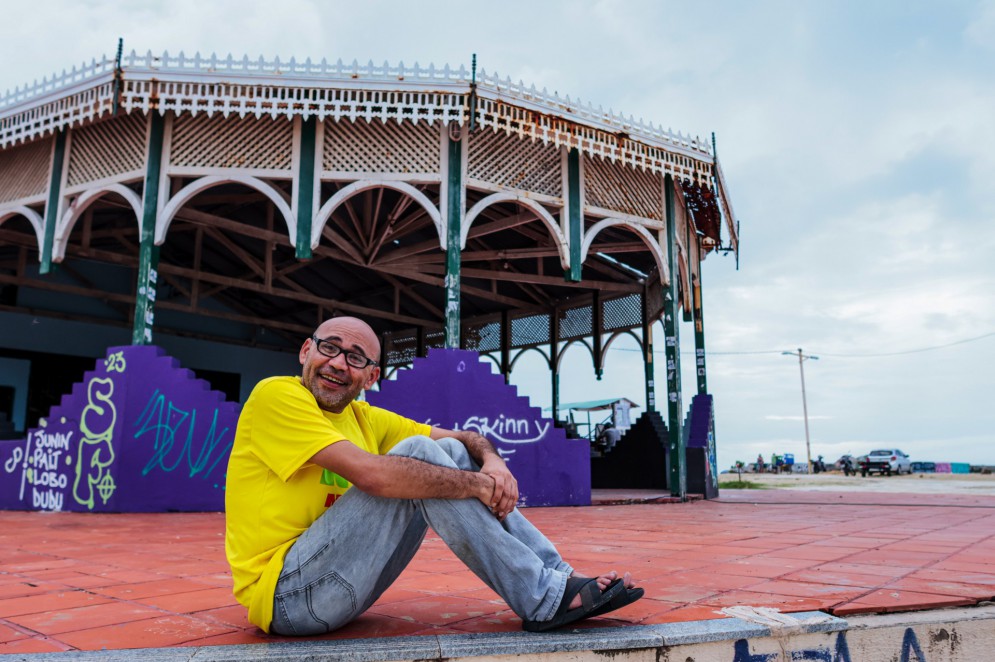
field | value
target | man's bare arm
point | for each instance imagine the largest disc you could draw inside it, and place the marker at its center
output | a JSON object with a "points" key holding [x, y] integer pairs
{"points": [[505, 495], [400, 477]]}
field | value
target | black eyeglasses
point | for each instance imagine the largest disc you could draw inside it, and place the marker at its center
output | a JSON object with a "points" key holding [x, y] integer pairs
{"points": [[352, 359]]}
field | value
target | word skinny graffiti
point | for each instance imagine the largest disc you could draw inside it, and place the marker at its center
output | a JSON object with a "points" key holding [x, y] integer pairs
{"points": [[169, 423]]}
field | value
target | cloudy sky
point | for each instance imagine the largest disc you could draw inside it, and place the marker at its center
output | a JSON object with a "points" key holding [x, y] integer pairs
{"points": [[858, 141]]}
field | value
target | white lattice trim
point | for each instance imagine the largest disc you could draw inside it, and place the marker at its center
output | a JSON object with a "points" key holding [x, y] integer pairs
{"points": [[75, 210], [24, 171], [202, 141], [346, 192], [523, 165], [388, 147], [541, 212], [311, 74], [621, 189], [103, 150], [66, 108], [165, 217], [34, 218], [644, 234]]}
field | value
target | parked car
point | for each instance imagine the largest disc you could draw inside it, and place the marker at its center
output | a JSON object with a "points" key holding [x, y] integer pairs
{"points": [[885, 461]]}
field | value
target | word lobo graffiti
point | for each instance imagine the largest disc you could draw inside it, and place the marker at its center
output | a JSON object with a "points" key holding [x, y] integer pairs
{"points": [[40, 460], [96, 451], [508, 430], [175, 440]]}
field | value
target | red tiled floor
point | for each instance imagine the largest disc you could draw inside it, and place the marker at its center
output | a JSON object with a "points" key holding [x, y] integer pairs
{"points": [[151, 633], [960, 589], [33, 645], [52, 601], [82, 618], [8, 633], [193, 601], [892, 600], [440, 610], [128, 581], [150, 589]]}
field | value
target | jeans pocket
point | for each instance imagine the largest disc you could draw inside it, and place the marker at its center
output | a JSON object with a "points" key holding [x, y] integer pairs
{"points": [[321, 606]]}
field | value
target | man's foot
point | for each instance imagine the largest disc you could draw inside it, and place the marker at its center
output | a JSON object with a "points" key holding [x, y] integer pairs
{"points": [[591, 598], [603, 582]]}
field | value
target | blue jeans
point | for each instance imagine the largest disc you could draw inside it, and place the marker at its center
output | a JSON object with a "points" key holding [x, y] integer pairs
{"points": [[350, 555]]}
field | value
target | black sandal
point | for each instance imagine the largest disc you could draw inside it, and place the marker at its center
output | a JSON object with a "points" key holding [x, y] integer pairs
{"points": [[592, 598], [623, 598]]}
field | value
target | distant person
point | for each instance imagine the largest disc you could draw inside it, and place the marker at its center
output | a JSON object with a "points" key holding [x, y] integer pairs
{"points": [[760, 463], [328, 499], [610, 436]]}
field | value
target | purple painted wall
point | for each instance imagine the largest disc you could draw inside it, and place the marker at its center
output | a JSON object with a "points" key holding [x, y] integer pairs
{"points": [[138, 434], [456, 389]]}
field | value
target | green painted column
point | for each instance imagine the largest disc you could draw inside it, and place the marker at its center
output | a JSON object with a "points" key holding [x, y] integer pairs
{"points": [[597, 324], [52, 204], [574, 211], [554, 335], [454, 215], [148, 253], [699, 336], [305, 188], [648, 377], [506, 346], [675, 410]]}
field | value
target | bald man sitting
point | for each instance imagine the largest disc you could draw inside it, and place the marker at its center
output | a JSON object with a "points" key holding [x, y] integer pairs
{"points": [[327, 500]]}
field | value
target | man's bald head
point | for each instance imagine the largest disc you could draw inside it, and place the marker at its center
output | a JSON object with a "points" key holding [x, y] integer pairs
{"points": [[328, 374], [354, 328]]}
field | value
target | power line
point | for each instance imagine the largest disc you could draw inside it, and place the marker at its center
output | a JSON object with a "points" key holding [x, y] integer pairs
{"points": [[914, 351], [848, 356]]}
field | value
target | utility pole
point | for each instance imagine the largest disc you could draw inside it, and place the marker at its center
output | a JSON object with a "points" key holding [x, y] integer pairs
{"points": [[801, 367]]}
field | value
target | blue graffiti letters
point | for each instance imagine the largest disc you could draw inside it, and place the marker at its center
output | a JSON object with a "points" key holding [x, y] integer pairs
{"points": [[175, 440]]}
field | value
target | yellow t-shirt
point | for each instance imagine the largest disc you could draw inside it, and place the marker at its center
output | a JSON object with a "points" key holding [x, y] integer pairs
{"points": [[273, 492]]}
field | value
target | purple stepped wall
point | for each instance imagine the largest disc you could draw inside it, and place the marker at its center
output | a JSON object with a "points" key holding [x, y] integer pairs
{"points": [[456, 389], [138, 434]]}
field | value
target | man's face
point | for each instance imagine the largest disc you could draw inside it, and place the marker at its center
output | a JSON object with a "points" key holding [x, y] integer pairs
{"points": [[332, 381]]}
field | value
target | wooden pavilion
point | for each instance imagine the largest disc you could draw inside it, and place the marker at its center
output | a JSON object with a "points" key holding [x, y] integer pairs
{"points": [[242, 201]]}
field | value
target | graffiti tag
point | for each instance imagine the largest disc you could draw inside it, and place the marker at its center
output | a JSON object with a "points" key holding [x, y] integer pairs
{"points": [[508, 430], [96, 452], [174, 440]]}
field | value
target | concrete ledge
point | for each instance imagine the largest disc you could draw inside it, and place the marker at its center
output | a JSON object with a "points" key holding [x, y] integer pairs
{"points": [[945, 635], [618, 641]]}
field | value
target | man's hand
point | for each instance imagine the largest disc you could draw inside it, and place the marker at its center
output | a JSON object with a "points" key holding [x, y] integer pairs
{"points": [[505, 495]]}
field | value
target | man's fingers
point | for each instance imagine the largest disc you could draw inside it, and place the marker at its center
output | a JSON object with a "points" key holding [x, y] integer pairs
{"points": [[510, 499]]}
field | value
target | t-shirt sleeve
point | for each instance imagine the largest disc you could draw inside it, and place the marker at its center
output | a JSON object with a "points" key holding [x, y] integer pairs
{"points": [[393, 428], [288, 428]]}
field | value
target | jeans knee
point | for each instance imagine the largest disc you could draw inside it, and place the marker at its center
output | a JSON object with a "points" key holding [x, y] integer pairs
{"points": [[420, 448]]}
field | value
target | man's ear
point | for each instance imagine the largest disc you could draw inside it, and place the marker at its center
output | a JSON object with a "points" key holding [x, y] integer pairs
{"points": [[374, 376], [303, 353]]}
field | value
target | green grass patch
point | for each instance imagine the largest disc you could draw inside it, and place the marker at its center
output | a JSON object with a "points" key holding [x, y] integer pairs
{"points": [[741, 485]]}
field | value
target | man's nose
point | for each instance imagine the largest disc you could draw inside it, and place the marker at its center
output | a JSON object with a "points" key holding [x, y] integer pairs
{"points": [[339, 361]]}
